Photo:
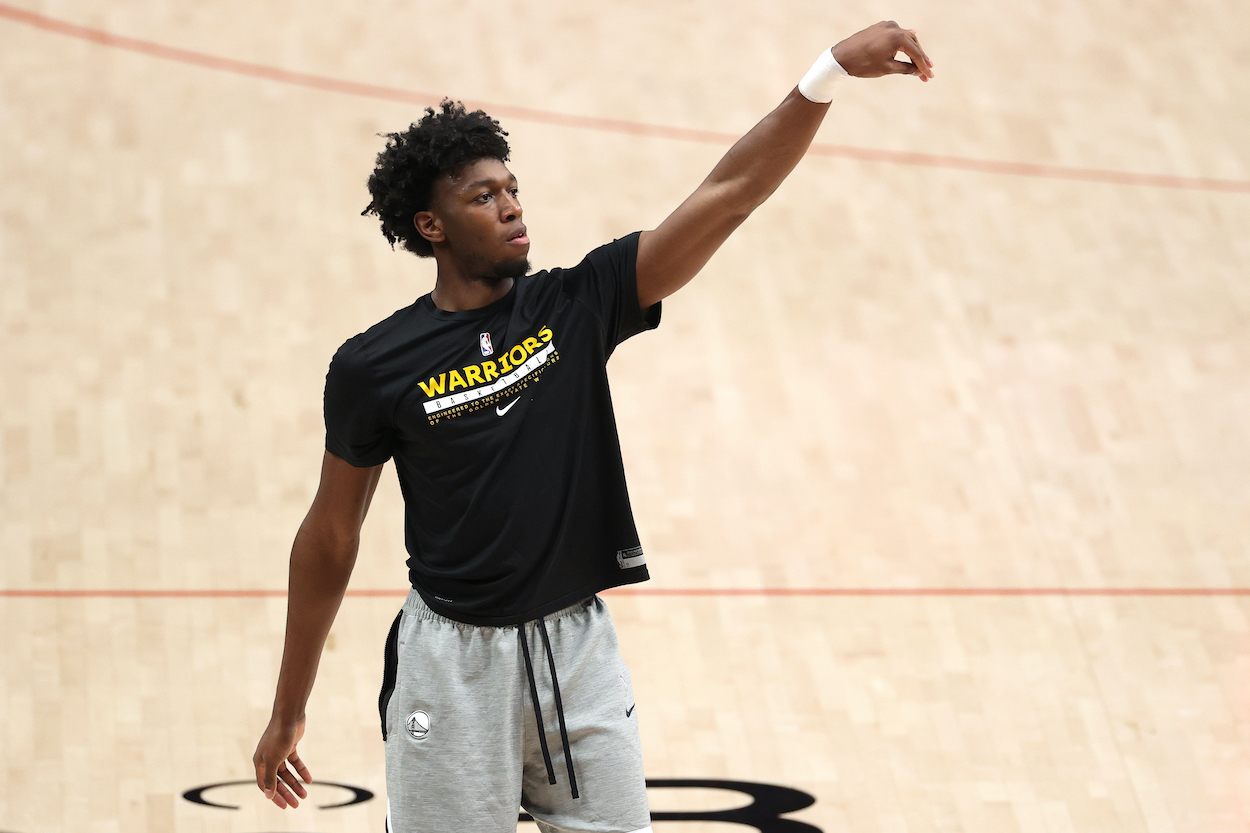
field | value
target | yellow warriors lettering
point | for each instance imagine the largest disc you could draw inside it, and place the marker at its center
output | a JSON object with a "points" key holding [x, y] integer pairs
{"points": [[434, 387], [474, 375]]}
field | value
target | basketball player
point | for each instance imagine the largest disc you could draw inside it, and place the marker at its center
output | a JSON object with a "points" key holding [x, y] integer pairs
{"points": [[503, 685]]}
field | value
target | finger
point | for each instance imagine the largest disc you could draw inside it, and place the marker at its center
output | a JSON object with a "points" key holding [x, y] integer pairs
{"points": [[296, 762], [902, 68], [915, 37], [289, 777], [283, 798], [911, 48], [911, 51], [273, 794], [916, 42], [908, 68], [265, 778]]}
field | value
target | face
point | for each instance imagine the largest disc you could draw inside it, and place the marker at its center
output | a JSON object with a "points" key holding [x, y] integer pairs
{"points": [[476, 216]]}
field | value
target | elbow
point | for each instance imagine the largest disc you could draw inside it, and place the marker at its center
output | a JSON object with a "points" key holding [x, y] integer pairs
{"points": [[326, 547], [737, 199], [728, 223]]}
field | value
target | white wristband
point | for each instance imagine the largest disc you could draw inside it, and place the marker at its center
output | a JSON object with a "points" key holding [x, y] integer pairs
{"points": [[818, 84]]}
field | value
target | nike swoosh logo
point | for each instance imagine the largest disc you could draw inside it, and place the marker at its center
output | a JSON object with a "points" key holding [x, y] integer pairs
{"points": [[630, 710], [501, 411]]}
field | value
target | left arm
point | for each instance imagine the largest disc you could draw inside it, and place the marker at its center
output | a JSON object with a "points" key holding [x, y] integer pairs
{"points": [[755, 166]]}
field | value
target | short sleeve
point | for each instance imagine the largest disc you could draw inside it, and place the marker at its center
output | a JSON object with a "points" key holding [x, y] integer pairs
{"points": [[606, 281], [358, 425]]}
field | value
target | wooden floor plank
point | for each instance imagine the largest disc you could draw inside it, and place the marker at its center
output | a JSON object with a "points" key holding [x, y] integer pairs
{"points": [[990, 339]]}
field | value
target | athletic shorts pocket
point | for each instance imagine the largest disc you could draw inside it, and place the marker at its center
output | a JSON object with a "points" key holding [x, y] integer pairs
{"points": [[390, 670]]}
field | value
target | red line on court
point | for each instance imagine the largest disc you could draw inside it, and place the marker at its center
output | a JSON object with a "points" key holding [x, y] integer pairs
{"points": [[140, 594], [937, 591], [338, 85], [722, 592]]}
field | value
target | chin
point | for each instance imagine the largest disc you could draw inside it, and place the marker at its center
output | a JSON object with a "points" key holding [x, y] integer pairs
{"points": [[513, 268]]}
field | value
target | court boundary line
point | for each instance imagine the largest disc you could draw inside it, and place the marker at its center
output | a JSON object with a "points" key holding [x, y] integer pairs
{"points": [[707, 592], [328, 84]]}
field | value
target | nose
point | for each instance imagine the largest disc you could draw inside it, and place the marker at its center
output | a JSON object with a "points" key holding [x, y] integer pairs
{"points": [[509, 208]]}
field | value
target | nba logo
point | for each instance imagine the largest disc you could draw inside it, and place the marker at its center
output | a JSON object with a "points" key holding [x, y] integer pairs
{"points": [[484, 338]]}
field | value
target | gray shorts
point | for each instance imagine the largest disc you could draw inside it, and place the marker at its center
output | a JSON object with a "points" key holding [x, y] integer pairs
{"points": [[463, 745]]}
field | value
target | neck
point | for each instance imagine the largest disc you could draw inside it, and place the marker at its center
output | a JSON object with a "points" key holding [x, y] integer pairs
{"points": [[464, 286], [452, 295]]}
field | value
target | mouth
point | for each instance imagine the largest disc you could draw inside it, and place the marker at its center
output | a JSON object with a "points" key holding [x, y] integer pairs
{"points": [[519, 237]]}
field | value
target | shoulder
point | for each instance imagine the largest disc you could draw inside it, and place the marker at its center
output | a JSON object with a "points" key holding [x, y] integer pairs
{"points": [[360, 352], [399, 325], [620, 254]]}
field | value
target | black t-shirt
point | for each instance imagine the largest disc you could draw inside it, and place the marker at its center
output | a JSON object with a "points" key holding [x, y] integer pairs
{"points": [[500, 423]]}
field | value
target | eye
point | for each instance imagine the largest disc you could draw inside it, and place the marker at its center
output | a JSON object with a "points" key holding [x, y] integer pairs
{"points": [[514, 191]]}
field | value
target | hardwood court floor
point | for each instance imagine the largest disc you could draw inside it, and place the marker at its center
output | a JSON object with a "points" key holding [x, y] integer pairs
{"points": [[940, 465]]}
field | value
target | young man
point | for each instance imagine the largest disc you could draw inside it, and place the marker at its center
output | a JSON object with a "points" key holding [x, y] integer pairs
{"points": [[503, 685]]}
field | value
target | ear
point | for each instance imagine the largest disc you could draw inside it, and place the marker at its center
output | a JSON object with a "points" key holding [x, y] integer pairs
{"points": [[429, 226]]}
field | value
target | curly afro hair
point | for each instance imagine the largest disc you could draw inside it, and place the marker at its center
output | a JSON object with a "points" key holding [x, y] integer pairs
{"points": [[442, 143]]}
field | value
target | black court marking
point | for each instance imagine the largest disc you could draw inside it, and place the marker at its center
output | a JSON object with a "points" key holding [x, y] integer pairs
{"points": [[769, 803], [764, 813], [196, 796]]}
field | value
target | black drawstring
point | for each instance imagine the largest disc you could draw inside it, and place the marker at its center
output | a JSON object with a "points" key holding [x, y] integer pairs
{"points": [[555, 687], [538, 713]]}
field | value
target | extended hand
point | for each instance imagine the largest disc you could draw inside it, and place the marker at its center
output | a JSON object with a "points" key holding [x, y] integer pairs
{"points": [[870, 53], [276, 747]]}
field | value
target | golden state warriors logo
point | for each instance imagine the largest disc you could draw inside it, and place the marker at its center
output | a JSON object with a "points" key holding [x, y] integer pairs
{"points": [[459, 391], [418, 725]]}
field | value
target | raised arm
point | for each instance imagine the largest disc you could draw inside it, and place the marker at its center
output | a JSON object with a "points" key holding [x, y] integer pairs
{"points": [[321, 563], [673, 253]]}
